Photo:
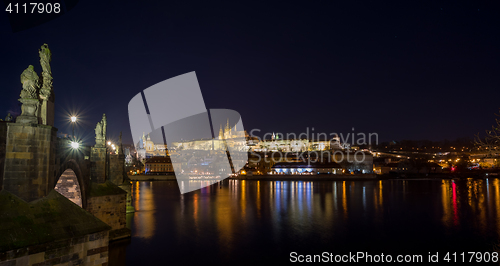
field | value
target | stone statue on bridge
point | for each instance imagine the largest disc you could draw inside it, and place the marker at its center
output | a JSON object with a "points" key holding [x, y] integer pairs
{"points": [[100, 132], [46, 89], [29, 97], [45, 58], [8, 117], [29, 79], [104, 126]]}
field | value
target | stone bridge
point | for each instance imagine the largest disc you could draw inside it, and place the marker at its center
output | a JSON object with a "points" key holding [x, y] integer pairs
{"points": [[37, 224], [77, 169], [34, 162]]}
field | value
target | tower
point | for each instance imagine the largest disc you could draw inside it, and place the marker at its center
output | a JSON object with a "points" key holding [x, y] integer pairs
{"points": [[221, 133]]}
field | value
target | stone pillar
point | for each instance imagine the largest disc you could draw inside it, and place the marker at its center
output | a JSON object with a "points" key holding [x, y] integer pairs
{"points": [[47, 112], [116, 168], [29, 160], [118, 176], [98, 159], [127, 186]]}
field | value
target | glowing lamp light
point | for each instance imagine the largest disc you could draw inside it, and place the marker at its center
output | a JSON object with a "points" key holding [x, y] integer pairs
{"points": [[109, 142], [73, 119], [75, 145]]}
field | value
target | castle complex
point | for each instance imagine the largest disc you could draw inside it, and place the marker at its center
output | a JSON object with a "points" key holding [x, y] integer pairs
{"points": [[239, 139]]}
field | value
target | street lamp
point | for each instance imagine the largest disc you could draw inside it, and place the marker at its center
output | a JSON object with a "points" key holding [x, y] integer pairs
{"points": [[73, 121], [75, 145]]}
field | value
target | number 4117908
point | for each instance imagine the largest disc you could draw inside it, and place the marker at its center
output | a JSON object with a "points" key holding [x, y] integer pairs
{"points": [[471, 257], [34, 8]]}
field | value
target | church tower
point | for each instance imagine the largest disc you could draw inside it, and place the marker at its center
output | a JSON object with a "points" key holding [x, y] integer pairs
{"points": [[221, 133], [227, 132]]}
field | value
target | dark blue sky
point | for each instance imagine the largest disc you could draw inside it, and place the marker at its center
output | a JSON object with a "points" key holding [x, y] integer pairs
{"points": [[421, 70]]}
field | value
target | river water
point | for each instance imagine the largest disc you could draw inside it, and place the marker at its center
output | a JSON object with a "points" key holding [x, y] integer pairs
{"points": [[248, 222]]}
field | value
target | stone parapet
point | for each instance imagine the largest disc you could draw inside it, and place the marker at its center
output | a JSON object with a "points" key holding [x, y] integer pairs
{"points": [[49, 231], [107, 202]]}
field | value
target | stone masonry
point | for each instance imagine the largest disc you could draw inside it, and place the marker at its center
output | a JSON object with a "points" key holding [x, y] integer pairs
{"points": [[29, 160]]}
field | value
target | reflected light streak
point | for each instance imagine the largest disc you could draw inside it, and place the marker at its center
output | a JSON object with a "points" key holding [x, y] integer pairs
{"points": [[455, 209], [144, 216], [344, 198]]}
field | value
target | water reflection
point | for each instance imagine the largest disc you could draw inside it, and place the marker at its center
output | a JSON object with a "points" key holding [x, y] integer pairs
{"points": [[471, 198], [144, 204], [241, 218]]}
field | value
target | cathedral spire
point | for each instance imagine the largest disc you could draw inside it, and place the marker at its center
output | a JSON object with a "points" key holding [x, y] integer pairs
{"points": [[221, 133], [227, 130]]}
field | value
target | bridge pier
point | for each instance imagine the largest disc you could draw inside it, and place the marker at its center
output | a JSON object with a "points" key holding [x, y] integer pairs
{"points": [[119, 177], [30, 153], [98, 159]]}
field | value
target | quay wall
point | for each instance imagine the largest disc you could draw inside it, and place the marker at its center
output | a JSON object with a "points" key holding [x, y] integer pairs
{"points": [[91, 249]]}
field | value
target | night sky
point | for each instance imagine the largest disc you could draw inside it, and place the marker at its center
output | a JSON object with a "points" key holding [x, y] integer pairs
{"points": [[420, 70]]}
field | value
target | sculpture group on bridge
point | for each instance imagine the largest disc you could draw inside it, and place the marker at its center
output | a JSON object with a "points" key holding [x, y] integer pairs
{"points": [[37, 95], [34, 161]]}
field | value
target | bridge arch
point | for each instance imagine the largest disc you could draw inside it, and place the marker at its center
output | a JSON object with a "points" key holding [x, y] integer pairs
{"points": [[71, 179]]}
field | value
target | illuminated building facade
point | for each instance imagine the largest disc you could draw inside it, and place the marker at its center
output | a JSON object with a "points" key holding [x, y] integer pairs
{"points": [[300, 168], [159, 165], [294, 145]]}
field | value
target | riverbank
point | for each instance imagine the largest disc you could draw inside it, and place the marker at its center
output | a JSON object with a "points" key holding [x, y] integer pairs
{"points": [[326, 177], [470, 174], [152, 177], [265, 177], [306, 177]]}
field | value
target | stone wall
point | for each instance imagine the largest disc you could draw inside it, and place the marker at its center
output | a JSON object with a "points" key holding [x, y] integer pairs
{"points": [[98, 159], [91, 249], [116, 169], [107, 202], [3, 140], [109, 209], [29, 160]]}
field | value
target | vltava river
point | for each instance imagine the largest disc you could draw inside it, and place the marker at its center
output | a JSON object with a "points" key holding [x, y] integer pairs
{"points": [[248, 222]]}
